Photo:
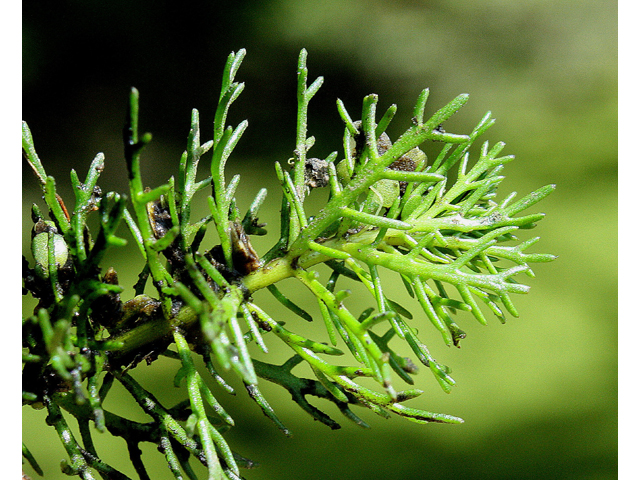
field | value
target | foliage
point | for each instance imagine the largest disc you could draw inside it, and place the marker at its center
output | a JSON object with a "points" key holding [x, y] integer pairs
{"points": [[436, 223]]}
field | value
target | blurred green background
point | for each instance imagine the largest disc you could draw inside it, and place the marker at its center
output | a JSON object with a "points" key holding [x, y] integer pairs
{"points": [[539, 394]]}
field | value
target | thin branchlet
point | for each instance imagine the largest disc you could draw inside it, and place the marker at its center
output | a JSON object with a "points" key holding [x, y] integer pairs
{"points": [[391, 210]]}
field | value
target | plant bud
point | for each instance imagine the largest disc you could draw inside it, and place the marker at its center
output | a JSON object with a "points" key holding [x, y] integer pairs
{"points": [[40, 247]]}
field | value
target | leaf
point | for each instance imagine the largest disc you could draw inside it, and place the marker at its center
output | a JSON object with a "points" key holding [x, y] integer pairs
{"points": [[386, 192]]}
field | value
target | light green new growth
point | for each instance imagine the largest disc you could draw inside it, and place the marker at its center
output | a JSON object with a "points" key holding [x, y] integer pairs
{"points": [[435, 222]]}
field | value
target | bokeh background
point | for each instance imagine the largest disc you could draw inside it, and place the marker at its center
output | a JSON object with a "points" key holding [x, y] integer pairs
{"points": [[539, 394]]}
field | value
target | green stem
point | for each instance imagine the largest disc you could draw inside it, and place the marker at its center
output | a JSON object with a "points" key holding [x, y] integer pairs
{"points": [[133, 148], [162, 416], [78, 463], [197, 405]]}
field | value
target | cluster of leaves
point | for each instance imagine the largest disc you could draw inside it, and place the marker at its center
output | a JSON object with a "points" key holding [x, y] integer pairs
{"points": [[388, 208]]}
